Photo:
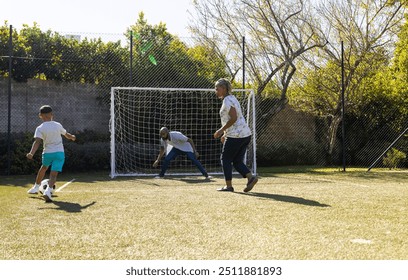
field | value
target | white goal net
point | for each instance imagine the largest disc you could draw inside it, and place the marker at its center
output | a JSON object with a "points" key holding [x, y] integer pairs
{"points": [[137, 114]]}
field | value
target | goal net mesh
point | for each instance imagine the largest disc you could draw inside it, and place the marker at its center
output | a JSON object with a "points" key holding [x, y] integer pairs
{"points": [[137, 114]]}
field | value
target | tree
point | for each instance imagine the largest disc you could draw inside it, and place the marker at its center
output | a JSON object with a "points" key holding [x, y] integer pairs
{"points": [[366, 27], [207, 63], [400, 67], [162, 60], [276, 33], [20, 59], [51, 56]]}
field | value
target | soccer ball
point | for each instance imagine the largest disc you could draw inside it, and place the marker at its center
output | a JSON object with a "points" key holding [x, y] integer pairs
{"points": [[44, 185]]}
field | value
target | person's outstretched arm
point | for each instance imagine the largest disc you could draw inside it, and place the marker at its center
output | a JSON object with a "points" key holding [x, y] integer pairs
{"points": [[70, 136], [34, 148], [159, 157]]}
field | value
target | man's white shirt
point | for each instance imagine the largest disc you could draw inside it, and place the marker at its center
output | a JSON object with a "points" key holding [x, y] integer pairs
{"points": [[177, 140]]}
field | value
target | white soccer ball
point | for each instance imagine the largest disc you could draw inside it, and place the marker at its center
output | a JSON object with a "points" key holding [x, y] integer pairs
{"points": [[44, 184]]}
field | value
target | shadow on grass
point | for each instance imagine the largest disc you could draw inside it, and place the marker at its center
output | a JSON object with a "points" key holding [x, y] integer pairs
{"points": [[286, 198], [69, 207], [193, 181]]}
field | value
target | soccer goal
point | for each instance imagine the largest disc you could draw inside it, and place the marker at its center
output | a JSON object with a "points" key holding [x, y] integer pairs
{"points": [[137, 114]]}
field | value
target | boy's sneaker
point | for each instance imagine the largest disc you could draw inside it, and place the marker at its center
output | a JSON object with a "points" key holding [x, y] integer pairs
{"points": [[42, 190], [47, 194], [208, 178], [34, 189]]}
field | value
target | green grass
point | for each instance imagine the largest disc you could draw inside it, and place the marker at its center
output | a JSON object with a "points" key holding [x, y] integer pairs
{"points": [[291, 214]]}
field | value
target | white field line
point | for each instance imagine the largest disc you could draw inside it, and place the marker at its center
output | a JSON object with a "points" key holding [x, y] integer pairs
{"points": [[64, 185], [361, 241]]}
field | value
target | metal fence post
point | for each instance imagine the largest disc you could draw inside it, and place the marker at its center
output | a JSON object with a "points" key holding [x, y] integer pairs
{"points": [[10, 45], [131, 59], [243, 62], [343, 132]]}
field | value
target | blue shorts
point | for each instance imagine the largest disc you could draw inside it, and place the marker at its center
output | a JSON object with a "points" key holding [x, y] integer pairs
{"points": [[56, 160]]}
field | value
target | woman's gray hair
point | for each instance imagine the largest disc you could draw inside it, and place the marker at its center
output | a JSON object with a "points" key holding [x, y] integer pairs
{"points": [[224, 83]]}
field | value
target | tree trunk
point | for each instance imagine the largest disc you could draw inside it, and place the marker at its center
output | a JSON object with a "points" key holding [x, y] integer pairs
{"points": [[334, 126]]}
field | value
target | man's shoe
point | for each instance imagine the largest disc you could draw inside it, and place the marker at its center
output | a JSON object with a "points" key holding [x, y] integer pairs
{"points": [[226, 189], [251, 183]]}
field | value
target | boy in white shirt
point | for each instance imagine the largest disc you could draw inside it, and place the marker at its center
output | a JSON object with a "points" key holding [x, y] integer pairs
{"points": [[49, 133]]}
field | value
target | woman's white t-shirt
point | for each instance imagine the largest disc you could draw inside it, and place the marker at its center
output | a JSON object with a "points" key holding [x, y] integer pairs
{"points": [[240, 128]]}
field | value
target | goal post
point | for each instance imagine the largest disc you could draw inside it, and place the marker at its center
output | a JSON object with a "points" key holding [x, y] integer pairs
{"points": [[137, 114]]}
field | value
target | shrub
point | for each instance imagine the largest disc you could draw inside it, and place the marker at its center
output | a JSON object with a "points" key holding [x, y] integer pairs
{"points": [[87, 156], [393, 158], [294, 153], [90, 152]]}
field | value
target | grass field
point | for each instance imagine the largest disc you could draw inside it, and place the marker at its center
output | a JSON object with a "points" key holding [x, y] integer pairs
{"points": [[291, 214]]}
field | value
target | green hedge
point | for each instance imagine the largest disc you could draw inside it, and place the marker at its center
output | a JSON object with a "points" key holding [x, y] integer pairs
{"points": [[294, 153], [90, 152]]}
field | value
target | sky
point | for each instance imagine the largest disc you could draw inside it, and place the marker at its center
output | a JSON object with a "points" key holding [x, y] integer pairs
{"points": [[96, 16]]}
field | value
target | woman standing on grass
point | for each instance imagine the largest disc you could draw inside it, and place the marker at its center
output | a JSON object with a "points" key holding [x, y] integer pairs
{"points": [[235, 135]]}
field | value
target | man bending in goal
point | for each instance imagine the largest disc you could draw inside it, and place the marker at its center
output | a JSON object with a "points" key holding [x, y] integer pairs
{"points": [[182, 145]]}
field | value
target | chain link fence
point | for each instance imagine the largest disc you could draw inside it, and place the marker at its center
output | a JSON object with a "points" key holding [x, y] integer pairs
{"points": [[75, 72]]}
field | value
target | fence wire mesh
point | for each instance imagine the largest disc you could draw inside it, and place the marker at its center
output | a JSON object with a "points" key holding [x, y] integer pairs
{"points": [[75, 72]]}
